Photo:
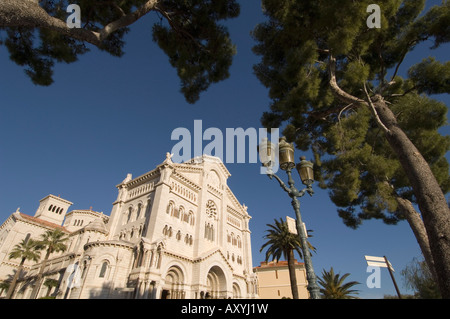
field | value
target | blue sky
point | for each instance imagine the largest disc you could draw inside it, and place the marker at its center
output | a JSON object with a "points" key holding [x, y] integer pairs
{"points": [[105, 117]]}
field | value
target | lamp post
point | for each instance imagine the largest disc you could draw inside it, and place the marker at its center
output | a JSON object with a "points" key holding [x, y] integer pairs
{"points": [[267, 154]]}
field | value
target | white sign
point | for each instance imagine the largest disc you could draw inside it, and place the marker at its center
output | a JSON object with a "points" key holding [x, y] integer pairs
{"points": [[378, 262], [292, 225]]}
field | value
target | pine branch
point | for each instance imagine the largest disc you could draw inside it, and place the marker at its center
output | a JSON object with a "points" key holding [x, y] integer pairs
{"points": [[341, 94]]}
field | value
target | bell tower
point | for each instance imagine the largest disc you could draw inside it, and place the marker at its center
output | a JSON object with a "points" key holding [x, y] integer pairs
{"points": [[53, 209]]}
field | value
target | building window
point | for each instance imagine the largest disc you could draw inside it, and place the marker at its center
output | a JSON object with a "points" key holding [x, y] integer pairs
{"points": [[83, 273], [209, 232], [139, 208], [191, 218], [103, 269], [130, 212], [178, 212], [170, 208], [167, 231]]}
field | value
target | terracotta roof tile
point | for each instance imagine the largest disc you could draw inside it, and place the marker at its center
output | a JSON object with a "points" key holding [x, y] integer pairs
{"points": [[43, 222]]}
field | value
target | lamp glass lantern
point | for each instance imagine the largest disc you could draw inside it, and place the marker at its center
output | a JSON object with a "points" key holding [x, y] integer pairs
{"points": [[286, 154], [267, 153], [305, 170]]}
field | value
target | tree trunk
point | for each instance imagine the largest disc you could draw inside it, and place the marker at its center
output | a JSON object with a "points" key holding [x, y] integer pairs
{"points": [[416, 223], [292, 276], [38, 283], [430, 198], [13, 284]]}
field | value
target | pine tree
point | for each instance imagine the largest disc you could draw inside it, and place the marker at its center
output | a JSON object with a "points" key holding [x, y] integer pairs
{"points": [[334, 81], [38, 35]]}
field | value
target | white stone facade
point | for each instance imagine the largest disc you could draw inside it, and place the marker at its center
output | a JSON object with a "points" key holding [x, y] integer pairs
{"points": [[175, 232]]}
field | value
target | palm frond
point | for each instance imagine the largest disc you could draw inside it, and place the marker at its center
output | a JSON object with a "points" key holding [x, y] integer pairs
{"points": [[333, 286]]}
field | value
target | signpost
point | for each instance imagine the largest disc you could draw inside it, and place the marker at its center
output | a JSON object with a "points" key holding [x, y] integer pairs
{"points": [[383, 262]]}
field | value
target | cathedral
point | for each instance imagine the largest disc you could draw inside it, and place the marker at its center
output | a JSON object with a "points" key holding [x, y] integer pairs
{"points": [[176, 232]]}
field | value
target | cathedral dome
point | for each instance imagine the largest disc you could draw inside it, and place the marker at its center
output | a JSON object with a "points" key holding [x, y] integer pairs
{"points": [[97, 225]]}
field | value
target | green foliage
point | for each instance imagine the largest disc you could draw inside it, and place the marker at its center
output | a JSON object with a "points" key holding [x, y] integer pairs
{"points": [[431, 76], [418, 277], [280, 241], [25, 250], [53, 241], [333, 286], [196, 44], [4, 285], [352, 158], [364, 172]]}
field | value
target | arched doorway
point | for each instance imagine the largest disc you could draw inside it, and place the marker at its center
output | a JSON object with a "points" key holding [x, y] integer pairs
{"points": [[236, 291], [173, 284], [216, 284]]}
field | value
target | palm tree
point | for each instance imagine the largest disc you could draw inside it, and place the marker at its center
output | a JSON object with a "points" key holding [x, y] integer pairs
{"points": [[54, 241], [4, 285], [334, 287], [26, 250], [282, 242], [50, 283]]}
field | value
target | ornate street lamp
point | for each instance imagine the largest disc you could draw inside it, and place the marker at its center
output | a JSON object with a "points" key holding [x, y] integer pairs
{"points": [[305, 169]]}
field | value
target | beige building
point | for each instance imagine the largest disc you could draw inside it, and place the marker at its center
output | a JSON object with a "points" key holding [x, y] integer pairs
{"points": [[177, 231], [274, 282]]}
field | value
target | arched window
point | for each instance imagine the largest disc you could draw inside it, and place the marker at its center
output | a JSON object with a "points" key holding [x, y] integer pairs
{"points": [[103, 269], [209, 232], [50, 207], [177, 211], [83, 273], [130, 212], [181, 213], [139, 208], [170, 208], [191, 218]]}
